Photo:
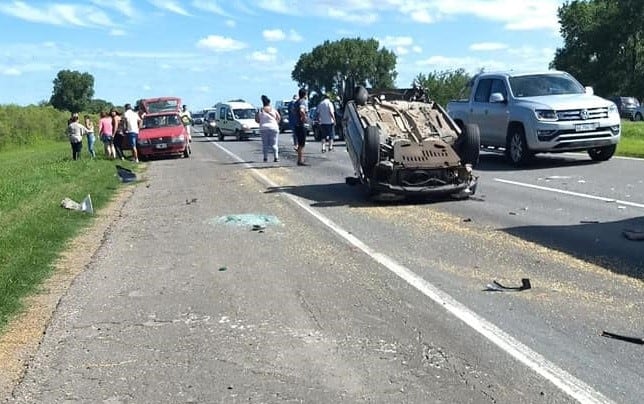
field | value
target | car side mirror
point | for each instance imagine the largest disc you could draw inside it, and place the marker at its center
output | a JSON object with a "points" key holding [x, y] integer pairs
{"points": [[496, 98], [589, 90]]}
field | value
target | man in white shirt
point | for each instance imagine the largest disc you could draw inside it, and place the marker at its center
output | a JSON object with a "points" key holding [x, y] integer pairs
{"points": [[132, 123], [186, 120], [326, 115]]}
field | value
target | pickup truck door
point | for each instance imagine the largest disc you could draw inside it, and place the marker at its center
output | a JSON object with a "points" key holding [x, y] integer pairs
{"points": [[497, 114], [478, 109]]}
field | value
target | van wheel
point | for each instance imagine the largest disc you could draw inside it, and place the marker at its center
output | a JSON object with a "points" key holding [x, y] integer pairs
{"points": [[468, 145], [220, 135], [516, 149], [370, 150], [602, 153], [238, 135]]}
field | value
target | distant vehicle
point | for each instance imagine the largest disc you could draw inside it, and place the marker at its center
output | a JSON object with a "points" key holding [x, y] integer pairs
{"points": [[284, 123], [627, 106], [162, 134], [236, 118], [210, 123], [314, 123], [638, 115], [407, 147], [197, 118], [544, 112]]}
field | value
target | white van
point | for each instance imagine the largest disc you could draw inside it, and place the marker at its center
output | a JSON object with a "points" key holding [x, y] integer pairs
{"points": [[236, 118]]}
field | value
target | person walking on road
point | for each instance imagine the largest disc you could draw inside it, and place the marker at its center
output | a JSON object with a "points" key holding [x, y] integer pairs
{"points": [[76, 131], [326, 115], [300, 131], [132, 123], [292, 117], [186, 120], [268, 119]]}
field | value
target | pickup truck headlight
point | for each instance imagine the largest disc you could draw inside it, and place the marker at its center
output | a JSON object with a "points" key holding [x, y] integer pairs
{"points": [[546, 115]]}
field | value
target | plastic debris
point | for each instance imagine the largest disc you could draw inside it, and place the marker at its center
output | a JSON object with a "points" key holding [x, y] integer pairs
{"points": [[467, 219], [193, 200], [634, 340], [247, 220], [497, 287], [125, 174], [222, 269], [84, 206]]}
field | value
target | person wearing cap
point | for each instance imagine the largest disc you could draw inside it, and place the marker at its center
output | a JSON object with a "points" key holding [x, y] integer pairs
{"points": [[132, 123], [186, 120], [76, 131]]}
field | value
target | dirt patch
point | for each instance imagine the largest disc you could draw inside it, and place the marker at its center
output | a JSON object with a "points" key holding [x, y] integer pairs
{"points": [[23, 334]]}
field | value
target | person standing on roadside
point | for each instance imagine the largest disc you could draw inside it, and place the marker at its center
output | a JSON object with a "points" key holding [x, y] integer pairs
{"points": [[186, 120], [107, 134], [132, 124], [326, 115], [268, 119], [76, 131], [300, 131], [292, 117], [91, 139], [117, 134]]}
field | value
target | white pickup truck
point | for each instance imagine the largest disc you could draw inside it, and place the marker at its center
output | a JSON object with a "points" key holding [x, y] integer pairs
{"points": [[546, 112]]}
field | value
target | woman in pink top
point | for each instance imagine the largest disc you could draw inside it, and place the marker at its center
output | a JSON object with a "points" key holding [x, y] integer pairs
{"points": [[268, 119], [105, 130]]}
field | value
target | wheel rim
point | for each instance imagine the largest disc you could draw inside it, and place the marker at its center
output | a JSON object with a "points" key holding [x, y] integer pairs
{"points": [[516, 147]]}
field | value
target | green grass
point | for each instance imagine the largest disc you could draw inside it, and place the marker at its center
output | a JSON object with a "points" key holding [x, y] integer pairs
{"points": [[33, 182], [632, 140]]}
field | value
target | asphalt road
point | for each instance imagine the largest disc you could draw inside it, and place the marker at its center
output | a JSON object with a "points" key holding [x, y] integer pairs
{"points": [[338, 299]]}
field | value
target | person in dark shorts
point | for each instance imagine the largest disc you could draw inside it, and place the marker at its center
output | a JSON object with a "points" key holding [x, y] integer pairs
{"points": [[300, 130]]}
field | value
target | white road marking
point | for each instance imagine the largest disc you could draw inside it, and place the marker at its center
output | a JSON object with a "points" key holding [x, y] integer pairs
{"points": [[571, 193], [566, 382]]}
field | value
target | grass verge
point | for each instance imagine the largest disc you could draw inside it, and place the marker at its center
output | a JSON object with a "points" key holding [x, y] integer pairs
{"points": [[35, 228], [632, 141]]}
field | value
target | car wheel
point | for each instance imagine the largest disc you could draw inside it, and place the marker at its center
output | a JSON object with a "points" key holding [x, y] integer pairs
{"points": [[602, 153], [360, 95], [238, 135], [637, 117], [220, 134], [370, 150], [468, 145], [517, 150]]}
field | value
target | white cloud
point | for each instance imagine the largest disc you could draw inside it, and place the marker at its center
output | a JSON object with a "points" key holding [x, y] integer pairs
{"points": [[58, 14], [488, 46], [171, 6], [122, 6], [294, 36], [273, 35], [210, 6], [117, 32], [220, 44], [11, 71], [230, 23], [416, 49], [470, 64], [269, 55], [203, 89]]}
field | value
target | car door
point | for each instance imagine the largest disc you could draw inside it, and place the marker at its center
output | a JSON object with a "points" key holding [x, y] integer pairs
{"points": [[479, 109], [497, 117], [223, 122]]}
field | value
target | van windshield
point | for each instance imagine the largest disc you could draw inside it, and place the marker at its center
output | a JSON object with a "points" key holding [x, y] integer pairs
{"points": [[246, 113], [544, 84]]}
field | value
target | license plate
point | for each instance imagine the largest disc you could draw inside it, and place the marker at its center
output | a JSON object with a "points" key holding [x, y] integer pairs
{"points": [[586, 127], [161, 146]]}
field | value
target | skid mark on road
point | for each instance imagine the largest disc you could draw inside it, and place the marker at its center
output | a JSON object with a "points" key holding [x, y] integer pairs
{"points": [[571, 193], [566, 382]]}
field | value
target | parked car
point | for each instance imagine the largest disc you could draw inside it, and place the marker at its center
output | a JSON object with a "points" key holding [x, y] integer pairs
{"points": [[314, 123], [197, 118], [627, 106], [162, 134], [210, 123], [543, 112], [405, 147], [284, 123], [638, 115]]}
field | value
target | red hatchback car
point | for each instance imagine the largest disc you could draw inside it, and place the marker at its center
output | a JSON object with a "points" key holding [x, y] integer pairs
{"points": [[163, 134]]}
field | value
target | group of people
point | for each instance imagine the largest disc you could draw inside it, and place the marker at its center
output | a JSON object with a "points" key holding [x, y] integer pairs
{"points": [[113, 129], [269, 118]]}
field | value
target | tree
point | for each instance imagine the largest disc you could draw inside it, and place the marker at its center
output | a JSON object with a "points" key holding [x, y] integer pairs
{"points": [[443, 86], [96, 105], [329, 66], [73, 91], [602, 45]]}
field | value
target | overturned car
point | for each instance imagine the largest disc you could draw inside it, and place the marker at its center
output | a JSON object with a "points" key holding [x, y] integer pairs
{"points": [[403, 144]]}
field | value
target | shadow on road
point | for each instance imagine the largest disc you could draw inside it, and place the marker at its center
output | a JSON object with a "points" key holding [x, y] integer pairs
{"points": [[601, 243], [493, 162]]}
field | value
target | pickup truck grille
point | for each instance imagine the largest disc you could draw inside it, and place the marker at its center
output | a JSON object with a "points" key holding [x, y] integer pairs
{"points": [[582, 114]]}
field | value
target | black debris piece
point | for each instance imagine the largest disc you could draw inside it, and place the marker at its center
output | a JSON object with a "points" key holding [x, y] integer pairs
{"points": [[125, 174], [497, 287], [589, 221], [258, 228], [634, 340], [467, 220]]}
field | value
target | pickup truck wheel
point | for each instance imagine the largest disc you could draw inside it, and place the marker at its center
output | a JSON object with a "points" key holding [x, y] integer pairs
{"points": [[468, 145], [370, 150], [517, 150], [220, 135], [602, 153], [360, 95]]}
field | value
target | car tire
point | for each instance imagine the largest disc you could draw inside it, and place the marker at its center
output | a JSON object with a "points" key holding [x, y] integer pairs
{"points": [[516, 150], [637, 117], [220, 134], [370, 150], [468, 145], [361, 95], [602, 153]]}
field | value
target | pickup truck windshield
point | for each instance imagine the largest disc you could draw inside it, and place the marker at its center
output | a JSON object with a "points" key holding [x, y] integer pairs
{"points": [[544, 84]]}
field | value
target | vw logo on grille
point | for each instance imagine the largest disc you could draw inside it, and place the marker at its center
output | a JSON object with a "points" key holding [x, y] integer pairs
{"points": [[583, 114]]}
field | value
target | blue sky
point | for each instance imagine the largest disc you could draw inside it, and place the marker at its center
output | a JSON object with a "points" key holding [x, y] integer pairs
{"points": [[206, 51]]}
